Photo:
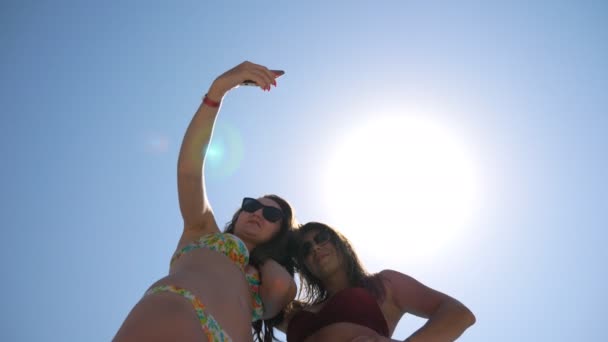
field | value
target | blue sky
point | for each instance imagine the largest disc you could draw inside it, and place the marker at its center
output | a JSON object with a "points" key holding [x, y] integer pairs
{"points": [[96, 97]]}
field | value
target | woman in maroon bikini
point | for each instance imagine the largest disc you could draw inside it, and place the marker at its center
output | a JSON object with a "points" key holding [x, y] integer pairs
{"points": [[345, 303]]}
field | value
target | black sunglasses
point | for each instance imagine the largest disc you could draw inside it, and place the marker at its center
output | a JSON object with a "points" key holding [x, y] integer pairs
{"points": [[319, 239], [270, 213]]}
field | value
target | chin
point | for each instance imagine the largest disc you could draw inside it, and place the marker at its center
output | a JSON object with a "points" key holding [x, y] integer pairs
{"points": [[250, 233]]}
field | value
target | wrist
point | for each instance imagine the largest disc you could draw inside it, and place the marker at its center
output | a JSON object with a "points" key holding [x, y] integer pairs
{"points": [[216, 91], [210, 102], [213, 98]]}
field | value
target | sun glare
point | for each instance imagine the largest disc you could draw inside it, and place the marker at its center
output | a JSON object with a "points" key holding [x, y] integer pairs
{"points": [[401, 187]]}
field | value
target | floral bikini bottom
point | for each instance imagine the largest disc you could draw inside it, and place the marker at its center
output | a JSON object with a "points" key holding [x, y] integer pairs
{"points": [[211, 328]]}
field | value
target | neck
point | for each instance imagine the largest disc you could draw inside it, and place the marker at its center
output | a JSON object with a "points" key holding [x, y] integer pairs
{"points": [[335, 283], [250, 246]]}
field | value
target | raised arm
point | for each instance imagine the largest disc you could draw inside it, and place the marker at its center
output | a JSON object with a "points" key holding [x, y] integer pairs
{"points": [[447, 317], [195, 208]]}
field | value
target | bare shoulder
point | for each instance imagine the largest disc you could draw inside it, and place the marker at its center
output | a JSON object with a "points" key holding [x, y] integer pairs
{"points": [[410, 295], [388, 273], [393, 282], [392, 278]]}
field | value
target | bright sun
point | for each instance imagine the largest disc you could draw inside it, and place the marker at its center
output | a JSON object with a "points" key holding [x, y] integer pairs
{"points": [[401, 187]]}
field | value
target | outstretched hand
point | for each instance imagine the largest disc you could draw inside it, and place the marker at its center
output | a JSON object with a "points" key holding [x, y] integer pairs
{"points": [[245, 71]]}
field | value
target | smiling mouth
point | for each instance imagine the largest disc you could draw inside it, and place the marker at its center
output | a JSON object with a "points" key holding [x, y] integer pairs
{"points": [[321, 257], [257, 223]]}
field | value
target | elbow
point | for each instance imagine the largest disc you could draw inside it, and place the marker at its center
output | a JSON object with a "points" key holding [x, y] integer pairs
{"points": [[468, 318], [472, 319], [460, 315]]}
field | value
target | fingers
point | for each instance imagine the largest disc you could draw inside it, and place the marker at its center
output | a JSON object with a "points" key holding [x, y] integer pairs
{"points": [[277, 73], [259, 74], [246, 73], [261, 79]]}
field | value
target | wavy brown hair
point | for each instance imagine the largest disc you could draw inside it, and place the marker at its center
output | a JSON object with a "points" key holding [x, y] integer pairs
{"points": [[276, 248]]}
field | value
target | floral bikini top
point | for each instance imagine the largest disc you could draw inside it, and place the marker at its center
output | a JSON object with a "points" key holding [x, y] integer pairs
{"points": [[234, 248]]}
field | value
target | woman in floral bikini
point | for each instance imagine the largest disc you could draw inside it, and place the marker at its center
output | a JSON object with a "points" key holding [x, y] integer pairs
{"points": [[218, 282]]}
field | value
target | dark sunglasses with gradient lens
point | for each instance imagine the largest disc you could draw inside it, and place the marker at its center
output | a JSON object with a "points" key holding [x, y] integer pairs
{"points": [[270, 213], [319, 239]]}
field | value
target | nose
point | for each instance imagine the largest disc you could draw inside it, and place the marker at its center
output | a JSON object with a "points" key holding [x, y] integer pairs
{"points": [[315, 247], [258, 213]]}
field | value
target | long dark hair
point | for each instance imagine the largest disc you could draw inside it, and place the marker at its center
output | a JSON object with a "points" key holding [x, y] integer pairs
{"points": [[276, 248], [314, 291]]}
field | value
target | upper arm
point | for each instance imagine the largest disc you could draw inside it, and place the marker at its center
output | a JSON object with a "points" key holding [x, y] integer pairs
{"points": [[278, 288], [196, 211], [194, 206], [411, 296], [193, 203]]}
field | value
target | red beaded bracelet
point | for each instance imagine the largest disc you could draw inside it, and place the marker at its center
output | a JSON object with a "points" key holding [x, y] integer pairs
{"points": [[209, 102]]}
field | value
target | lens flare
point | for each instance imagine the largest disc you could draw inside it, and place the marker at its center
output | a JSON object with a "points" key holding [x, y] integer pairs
{"points": [[225, 153]]}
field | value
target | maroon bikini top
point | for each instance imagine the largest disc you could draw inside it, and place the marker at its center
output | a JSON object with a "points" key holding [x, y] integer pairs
{"points": [[354, 305]]}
